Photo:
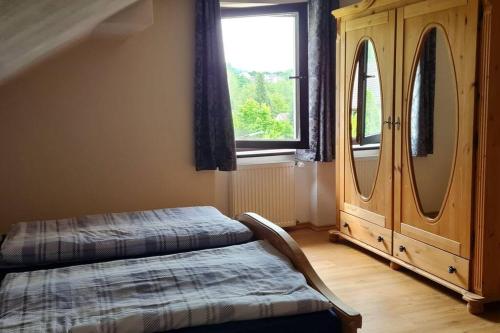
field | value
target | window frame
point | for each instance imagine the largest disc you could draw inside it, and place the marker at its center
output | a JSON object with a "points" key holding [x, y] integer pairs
{"points": [[361, 138], [302, 112]]}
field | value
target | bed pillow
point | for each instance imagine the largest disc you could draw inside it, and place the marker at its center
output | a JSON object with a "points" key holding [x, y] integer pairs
{"points": [[120, 235]]}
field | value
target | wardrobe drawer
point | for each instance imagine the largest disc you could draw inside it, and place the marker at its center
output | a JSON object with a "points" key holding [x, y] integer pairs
{"points": [[366, 232], [443, 264]]}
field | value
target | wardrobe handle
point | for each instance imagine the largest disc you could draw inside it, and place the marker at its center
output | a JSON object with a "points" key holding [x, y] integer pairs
{"points": [[452, 270], [380, 239], [397, 124], [402, 248], [346, 225], [389, 122]]}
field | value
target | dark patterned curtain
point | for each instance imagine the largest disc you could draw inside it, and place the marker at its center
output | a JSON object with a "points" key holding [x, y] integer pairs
{"points": [[322, 35], [214, 134], [422, 110]]}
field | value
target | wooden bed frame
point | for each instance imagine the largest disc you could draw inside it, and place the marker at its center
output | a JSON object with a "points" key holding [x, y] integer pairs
{"points": [[281, 240]]}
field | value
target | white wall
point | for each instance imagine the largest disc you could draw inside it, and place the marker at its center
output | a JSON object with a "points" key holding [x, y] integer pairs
{"points": [[104, 126], [323, 205]]}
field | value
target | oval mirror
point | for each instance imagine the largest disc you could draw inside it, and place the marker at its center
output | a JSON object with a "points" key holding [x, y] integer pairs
{"points": [[366, 118], [433, 122]]}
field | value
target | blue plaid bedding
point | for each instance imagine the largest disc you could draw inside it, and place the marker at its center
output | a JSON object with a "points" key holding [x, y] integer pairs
{"points": [[155, 294], [120, 235]]}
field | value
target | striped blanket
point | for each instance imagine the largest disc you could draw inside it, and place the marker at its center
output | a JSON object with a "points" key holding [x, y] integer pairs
{"points": [[155, 294], [121, 235]]}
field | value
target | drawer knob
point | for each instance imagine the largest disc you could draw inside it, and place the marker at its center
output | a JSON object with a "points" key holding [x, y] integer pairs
{"points": [[380, 239], [346, 225], [452, 270], [402, 248]]}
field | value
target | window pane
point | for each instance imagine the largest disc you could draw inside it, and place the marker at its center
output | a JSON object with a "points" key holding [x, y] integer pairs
{"points": [[354, 106], [373, 113], [261, 56]]}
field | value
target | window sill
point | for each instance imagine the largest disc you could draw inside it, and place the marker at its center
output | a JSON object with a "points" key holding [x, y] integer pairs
{"points": [[375, 146], [265, 157], [265, 153]]}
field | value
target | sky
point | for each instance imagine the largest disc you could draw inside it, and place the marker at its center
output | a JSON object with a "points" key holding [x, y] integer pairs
{"points": [[274, 34]]}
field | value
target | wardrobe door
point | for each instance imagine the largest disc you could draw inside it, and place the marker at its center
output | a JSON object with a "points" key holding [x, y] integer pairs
{"points": [[367, 99], [436, 53]]}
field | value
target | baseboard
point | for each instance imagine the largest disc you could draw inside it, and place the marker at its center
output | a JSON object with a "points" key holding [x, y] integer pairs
{"points": [[309, 226]]}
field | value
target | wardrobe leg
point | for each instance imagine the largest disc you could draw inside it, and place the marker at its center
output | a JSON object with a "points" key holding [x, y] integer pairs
{"points": [[475, 304], [394, 266], [475, 307], [333, 235]]}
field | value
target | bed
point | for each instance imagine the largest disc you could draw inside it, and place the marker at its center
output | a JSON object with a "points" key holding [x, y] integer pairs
{"points": [[249, 301]]}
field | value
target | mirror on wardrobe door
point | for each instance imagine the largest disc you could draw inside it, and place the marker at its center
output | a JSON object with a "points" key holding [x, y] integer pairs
{"points": [[433, 122], [366, 118]]}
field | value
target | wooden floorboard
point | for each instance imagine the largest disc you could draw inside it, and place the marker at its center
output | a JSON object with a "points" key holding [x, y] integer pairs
{"points": [[390, 301]]}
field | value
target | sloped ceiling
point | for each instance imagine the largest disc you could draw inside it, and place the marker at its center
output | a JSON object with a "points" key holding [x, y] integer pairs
{"points": [[32, 29]]}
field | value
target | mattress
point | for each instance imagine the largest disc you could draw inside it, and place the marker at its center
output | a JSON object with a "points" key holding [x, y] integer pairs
{"points": [[120, 235], [316, 322], [162, 293]]}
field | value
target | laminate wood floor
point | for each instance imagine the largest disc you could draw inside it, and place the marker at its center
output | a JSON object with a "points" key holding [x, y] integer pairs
{"points": [[390, 301]]}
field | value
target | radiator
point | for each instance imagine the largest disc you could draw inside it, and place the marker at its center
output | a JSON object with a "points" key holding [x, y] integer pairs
{"points": [[268, 190], [366, 168]]}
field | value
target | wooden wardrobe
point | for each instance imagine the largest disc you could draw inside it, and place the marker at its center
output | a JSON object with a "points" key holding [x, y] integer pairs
{"points": [[418, 148]]}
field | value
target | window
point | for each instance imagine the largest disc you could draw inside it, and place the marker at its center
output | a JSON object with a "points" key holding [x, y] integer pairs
{"points": [[366, 116], [266, 56]]}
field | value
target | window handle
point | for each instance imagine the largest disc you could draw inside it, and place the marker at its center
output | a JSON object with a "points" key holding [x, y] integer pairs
{"points": [[389, 122], [296, 77]]}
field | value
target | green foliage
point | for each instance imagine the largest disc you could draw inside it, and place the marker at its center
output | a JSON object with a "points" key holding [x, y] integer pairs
{"points": [[279, 105], [373, 117], [354, 126], [262, 104], [254, 120], [260, 90]]}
